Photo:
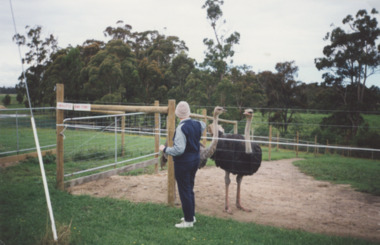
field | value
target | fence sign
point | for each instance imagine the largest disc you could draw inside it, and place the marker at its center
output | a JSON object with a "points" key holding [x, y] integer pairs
{"points": [[82, 107], [64, 106]]}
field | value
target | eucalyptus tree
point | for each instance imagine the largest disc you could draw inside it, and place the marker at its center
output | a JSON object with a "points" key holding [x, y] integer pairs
{"points": [[200, 87], [176, 76], [283, 92], [109, 72], [154, 53], [65, 67], [220, 49], [351, 57], [246, 90], [36, 58]]}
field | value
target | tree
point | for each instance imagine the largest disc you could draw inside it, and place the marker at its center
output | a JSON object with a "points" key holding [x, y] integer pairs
{"points": [[352, 55], [283, 93], [65, 68], [7, 100], [38, 57], [220, 50], [240, 89], [109, 72], [177, 75], [121, 32], [200, 87], [349, 60]]}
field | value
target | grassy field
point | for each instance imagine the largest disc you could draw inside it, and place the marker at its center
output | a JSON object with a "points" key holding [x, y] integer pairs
{"points": [[14, 102], [361, 174], [107, 221], [89, 220]]}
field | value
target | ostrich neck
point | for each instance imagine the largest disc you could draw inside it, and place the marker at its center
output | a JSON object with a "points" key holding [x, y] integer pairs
{"points": [[247, 136], [209, 151]]}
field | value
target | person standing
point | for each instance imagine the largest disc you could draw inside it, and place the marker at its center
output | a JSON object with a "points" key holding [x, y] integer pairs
{"points": [[185, 152]]}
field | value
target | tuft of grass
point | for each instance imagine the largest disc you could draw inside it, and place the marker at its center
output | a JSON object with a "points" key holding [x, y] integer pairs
{"points": [[63, 235]]}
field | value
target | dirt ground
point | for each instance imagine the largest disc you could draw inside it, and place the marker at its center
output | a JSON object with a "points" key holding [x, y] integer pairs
{"points": [[278, 194]]}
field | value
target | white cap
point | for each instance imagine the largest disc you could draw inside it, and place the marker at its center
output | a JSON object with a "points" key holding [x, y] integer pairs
{"points": [[182, 110]]}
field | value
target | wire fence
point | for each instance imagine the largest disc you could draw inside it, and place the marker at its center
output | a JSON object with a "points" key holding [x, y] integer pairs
{"points": [[16, 135], [102, 135], [96, 143]]}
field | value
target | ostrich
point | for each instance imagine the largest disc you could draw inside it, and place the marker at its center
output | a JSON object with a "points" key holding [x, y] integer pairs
{"points": [[205, 153], [235, 156]]}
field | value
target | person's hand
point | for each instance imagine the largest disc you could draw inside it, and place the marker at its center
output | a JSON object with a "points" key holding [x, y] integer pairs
{"points": [[162, 147]]}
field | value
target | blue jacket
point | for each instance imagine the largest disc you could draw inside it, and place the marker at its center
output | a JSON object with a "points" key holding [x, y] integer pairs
{"points": [[186, 141]]}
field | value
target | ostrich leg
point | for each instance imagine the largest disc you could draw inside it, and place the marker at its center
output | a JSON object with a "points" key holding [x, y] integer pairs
{"points": [[227, 181], [239, 179]]}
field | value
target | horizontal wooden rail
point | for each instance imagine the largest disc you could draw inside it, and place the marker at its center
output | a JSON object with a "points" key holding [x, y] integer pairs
{"points": [[12, 160], [108, 112], [124, 108]]}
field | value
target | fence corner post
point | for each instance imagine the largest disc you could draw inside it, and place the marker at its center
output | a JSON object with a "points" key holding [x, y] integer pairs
{"points": [[171, 130]]}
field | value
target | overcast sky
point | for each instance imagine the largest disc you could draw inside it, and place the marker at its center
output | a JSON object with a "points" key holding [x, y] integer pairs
{"points": [[271, 31]]}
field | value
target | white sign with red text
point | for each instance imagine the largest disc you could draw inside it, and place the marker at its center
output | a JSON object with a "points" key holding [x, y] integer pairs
{"points": [[82, 107], [64, 106]]}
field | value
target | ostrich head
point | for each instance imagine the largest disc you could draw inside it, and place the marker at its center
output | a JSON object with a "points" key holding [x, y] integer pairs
{"points": [[248, 113], [219, 110]]}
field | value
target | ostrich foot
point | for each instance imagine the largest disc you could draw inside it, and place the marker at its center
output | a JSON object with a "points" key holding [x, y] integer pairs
{"points": [[242, 208], [228, 210]]}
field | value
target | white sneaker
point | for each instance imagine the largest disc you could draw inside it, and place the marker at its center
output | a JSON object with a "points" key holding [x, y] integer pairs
{"points": [[184, 224], [194, 219]]}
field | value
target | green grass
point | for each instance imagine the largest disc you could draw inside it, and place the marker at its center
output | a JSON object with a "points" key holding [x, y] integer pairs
{"points": [[14, 103], [373, 122], [306, 123], [109, 221], [361, 174]]}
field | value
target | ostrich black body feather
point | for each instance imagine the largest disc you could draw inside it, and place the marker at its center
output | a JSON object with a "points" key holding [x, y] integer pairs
{"points": [[230, 155]]}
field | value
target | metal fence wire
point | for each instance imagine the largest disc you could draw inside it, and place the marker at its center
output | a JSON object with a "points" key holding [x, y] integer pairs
{"points": [[16, 135]]}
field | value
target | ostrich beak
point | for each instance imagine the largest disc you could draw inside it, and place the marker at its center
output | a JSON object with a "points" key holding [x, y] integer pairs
{"points": [[248, 113]]}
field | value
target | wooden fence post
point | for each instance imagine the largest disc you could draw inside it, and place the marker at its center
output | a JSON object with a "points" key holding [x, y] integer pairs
{"points": [[278, 139], [270, 145], [298, 138], [59, 129], [316, 147], [327, 149], [171, 130], [156, 134]]}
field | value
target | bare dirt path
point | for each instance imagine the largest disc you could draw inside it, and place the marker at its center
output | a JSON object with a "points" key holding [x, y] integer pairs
{"points": [[278, 194]]}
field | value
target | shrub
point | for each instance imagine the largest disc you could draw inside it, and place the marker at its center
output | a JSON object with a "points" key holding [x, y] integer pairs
{"points": [[7, 100]]}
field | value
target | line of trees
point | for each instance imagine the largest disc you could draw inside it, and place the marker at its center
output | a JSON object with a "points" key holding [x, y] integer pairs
{"points": [[140, 67]]}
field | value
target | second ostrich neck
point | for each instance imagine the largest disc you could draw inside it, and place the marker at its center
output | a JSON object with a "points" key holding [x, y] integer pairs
{"points": [[211, 149], [247, 136]]}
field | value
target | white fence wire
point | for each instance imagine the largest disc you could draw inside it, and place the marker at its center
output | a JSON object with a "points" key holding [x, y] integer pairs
{"points": [[16, 136], [93, 143]]}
